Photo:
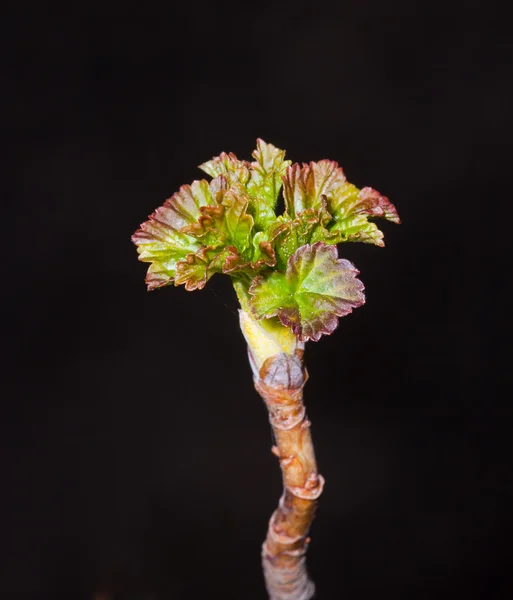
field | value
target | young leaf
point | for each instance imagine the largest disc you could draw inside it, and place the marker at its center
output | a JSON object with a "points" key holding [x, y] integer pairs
{"points": [[262, 179], [197, 269], [225, 223], [263, 251], [229, 225], [237, 222], [267, 170], [208, 229], [308, 227], [225, 164], [351, 208], [304, 186], [161, 241], [315, 290], [192, 272]]}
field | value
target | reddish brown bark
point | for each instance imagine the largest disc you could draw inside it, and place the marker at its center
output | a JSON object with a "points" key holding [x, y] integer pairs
{"points": [[280, 383]]}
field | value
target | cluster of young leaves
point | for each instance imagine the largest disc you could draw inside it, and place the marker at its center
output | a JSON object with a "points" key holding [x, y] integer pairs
{"points": [[288, 263]]}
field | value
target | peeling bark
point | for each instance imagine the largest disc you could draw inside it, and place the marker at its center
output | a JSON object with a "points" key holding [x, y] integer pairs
{"points": [[280, 383]]}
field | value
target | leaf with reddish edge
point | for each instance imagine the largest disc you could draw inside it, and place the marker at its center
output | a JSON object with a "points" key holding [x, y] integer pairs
{"points": [[237, 222], [225, 164], [192, 272], [266, 172], [304, 186], [197, 269], [262, 178], [208, 229], [225, 223], [162, 241], [229, 225], [316, 289], [351, 209], [308, 227], [263, 251]]}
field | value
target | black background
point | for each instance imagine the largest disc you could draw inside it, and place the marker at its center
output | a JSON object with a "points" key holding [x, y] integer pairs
{"points": [[136, 455]]}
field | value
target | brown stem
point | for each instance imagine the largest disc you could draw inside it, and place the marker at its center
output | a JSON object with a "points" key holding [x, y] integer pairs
{"points": [[280, 382]]}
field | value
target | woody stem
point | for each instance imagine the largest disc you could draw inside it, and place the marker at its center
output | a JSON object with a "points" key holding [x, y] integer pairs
{"points": [[280, 383], [276, 359]]}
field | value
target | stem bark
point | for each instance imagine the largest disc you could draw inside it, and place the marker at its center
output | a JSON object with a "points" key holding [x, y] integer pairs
{"points": [[276, 359], [280, 383]]}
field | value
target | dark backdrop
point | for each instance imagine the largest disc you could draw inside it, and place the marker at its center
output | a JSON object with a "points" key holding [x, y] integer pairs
{"points": [[136, 455]]}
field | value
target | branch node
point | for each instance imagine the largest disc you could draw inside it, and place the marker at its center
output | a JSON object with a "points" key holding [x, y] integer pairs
{"points": [[281, 538], [286, 461], [312, 490], [281, 419]]}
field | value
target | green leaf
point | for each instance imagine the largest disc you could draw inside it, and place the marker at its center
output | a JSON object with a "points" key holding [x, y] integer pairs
{"points": [[229, 224], [265, 182], [262, 179], [197, 269], [226, 164], [263, 251], [351, 208], [315, 290], [238, 223], [193, 272], [225, 223], [308, 227], [224, 229], [161, 241], [268, 169], [304, 186]]}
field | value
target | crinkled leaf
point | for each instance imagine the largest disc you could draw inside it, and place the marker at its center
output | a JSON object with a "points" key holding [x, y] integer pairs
{"points": [[308, 227], [351, 208], [209, 228], [161, 241], [197, 269], [229, 225], [315, 290], [263, 251], [225, 223], [224, 164], [267, 170], [238, 222], [265, 183], [304, 186], [192, 272], [262, 179]]}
